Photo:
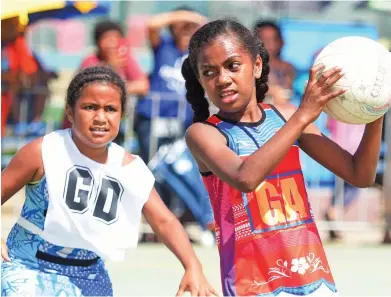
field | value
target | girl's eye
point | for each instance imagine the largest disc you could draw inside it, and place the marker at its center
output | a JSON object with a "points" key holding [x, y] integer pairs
{"points": [[207, 73], [234, 66], [111, 109]]}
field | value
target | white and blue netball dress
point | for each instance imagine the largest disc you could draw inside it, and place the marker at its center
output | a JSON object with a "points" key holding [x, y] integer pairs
{"points": [[80, 213]]}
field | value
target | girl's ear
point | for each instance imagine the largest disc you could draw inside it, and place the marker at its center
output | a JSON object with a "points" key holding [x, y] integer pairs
{"points": [[69, 113], [258, 67]]}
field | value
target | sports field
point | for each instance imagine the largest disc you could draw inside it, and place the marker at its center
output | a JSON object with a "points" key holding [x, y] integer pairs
{"points": [[359, 270], [361, 266]]}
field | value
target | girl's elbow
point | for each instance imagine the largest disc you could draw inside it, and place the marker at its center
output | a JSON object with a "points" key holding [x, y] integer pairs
{"points": [[363, 185], [365, 182], [368, 183], [246, 185]]}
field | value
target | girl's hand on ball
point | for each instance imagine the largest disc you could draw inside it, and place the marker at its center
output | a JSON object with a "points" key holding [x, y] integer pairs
{"points": [[319, 91]]}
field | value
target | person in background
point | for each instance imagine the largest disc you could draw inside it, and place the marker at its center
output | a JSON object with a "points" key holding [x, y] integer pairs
{"points": [[37, 126], [348, 137], [282, 73], [168, 86], [18, 69], [59, 245], [380, 178], [387, 189], [112, 50], [166, 80]]}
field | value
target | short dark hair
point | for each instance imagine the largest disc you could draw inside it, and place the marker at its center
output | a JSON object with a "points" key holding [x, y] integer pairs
{"points": [[92, 75], [267, 24], [104, 26]]}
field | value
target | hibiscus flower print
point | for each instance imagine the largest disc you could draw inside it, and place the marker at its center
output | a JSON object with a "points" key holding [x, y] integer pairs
{"points": [[299, 265]]}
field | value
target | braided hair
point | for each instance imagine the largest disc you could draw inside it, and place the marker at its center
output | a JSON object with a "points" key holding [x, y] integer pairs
{"points": [[98, 74], [211, 31]]}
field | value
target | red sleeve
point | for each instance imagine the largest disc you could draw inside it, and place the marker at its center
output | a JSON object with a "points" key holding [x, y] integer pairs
{"points": [[133, 70]]}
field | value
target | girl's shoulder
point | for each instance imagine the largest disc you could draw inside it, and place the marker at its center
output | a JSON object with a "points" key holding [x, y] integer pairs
{"points": [[286, 110], [33, 148], [128, 158]]}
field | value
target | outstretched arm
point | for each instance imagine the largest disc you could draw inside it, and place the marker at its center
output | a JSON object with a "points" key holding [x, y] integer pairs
{"points": [[359, 169], [170, 231], [159, 21]]}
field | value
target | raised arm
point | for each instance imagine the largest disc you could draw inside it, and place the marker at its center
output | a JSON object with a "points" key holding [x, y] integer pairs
{"points": [[245, 175], [159, 21], [359, 169]]}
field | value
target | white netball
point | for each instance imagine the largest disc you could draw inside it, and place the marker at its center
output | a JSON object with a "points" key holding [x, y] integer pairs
{"points": [[366, 65]]}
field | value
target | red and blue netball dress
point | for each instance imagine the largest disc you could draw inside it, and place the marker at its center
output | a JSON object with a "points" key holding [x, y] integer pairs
{"points": [[268, 241]]}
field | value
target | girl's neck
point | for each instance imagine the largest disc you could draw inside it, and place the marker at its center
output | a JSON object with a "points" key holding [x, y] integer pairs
{"points": [[97, 154], [100, 56], [251, 114]]}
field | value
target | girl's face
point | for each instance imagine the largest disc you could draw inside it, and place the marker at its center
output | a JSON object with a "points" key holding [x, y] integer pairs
{"points": [[96, 115], [227, 73], [109, 42], [271, 40], [182, 32]]}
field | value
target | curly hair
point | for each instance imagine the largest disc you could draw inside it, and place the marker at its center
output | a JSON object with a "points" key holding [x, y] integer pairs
{"points": [[92, 75], [206, 34]]}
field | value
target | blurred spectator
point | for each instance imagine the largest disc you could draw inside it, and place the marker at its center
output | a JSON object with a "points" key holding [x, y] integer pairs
{"points": [[348, 137], [174, 166], [173, 114], [380, 179], [39, 96], [282, 73], [387, 189], [166, 79], [18, 68], [34, 92], [113, 50]]}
